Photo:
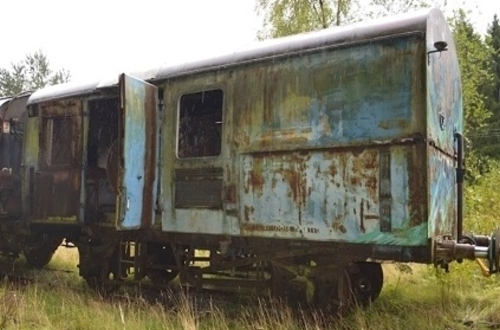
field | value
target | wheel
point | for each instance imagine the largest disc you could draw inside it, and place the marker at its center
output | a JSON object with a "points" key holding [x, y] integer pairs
{"points": [[316, 283], [99, 268], [162, 276], [159, 255], [332, 291], [367, 283], [102, 282], [282, 287], [39, 250]]}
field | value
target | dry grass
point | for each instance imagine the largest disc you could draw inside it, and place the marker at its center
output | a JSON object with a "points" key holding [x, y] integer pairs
{"points": [[414, 297]]}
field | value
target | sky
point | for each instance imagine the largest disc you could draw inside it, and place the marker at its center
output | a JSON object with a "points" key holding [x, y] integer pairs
{"points": [[100, 39], [96, 38]]}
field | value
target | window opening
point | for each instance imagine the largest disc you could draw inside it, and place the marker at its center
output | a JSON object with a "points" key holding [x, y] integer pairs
{"points": [[57, 141], [200, 124]]}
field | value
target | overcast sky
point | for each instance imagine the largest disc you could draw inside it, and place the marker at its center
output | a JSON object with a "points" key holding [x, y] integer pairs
{"points": [[94, 39]]}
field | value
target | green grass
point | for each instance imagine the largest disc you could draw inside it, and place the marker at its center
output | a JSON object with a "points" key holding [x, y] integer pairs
{"points": [[422, 299], [414, 296]]}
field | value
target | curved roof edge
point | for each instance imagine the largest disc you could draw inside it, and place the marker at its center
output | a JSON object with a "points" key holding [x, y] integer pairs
{"points": [[5, 99], [60, 91], [66, 90], [332, 37]]}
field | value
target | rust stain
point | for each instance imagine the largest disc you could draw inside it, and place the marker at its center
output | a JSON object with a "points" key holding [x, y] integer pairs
{"points": [[364, 171], [76, 181], [241, 138], [270, 94], [371, 185], [266, 141], [362, 216], [256, 180], [333, 170], [415, 158], [296, 181], [337, 226], [371, 159], [248, 211], [150, 157], [60, 177]]}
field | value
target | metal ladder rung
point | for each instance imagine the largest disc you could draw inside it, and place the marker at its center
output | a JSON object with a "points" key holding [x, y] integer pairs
{"points": [[132, 256]]}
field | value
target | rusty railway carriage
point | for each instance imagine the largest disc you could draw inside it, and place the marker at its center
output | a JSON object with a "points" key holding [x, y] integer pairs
{"points": [[15, 234], [297, 165], [12, 117]]}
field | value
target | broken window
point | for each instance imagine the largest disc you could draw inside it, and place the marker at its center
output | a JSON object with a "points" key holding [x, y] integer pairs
{"points": [[57, 141], [200, 123]]}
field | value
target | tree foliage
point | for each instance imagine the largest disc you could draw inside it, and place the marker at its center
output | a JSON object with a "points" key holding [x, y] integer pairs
{"points": [[474, 59], [31, 73], [486, 138], [286, 17], [493, 92]]}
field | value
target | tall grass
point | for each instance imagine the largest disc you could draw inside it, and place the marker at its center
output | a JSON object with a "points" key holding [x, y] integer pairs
{"points": [[423, 299], [414, 296]]}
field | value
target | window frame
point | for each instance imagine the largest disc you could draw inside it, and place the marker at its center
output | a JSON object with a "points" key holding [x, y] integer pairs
{"points": [[178, 124]]}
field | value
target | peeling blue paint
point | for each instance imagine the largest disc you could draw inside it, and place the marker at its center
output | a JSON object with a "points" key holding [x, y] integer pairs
{"points": [[133, 191], [413, 236]]}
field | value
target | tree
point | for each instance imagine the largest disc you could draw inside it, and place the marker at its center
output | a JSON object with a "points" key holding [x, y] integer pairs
{"points": [[378, 8], [31, 73], [286, 17], [475, 68], [474, 59], [493, 92]]}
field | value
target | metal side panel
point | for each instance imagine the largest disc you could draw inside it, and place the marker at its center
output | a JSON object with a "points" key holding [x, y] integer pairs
{"points": [[138, 141], [371, 196], [442, 194]]}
